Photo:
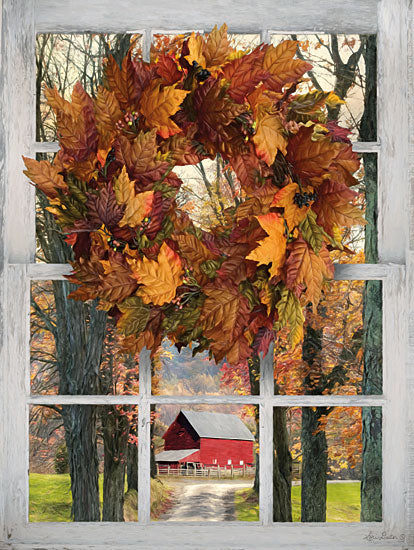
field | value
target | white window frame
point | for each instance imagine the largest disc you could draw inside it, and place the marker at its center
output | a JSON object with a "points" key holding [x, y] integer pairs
{"points": [[392, 20]]}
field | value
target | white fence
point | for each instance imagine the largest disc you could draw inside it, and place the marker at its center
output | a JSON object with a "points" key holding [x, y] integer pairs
{"points": [[210, 472]]}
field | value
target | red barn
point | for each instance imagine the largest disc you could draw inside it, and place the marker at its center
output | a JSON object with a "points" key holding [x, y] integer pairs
{"points": [[207, 439]]}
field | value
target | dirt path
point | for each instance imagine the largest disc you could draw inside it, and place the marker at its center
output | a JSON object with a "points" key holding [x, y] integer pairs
{"points": [[200, 500]]}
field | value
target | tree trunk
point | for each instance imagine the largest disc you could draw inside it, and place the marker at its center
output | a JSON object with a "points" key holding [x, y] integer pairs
{"points": [[314, 465], [371, 482], [132, 467], [282, 468], [79, 422], [254, 372], [313, 443], [115, 433], [79, 335]]}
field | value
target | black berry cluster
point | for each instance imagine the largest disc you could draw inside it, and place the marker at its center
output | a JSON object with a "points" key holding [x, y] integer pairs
{"points": [[304, 199], [201, 74]]}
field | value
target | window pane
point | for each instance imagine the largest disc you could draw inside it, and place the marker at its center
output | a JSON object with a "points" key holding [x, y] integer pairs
{"points": [[75, 348], [340, 64], [64, 59], [205, 460], [180, 373], [334, 454], [243, 41], [342, 348], [83, 463]]}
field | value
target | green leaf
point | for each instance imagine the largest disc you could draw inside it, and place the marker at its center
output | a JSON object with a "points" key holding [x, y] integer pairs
{"points": [[291, 314], [210, 267], [135, 316], [312, 232]]}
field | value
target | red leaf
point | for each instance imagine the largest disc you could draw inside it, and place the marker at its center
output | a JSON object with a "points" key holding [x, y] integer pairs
{"points": [[245, 74], [167, 69]]}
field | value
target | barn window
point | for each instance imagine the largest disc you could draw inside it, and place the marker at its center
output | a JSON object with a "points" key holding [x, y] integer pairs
{"points": [[391, 153]]}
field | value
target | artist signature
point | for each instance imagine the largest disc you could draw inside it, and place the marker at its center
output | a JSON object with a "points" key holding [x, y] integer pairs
{"points": [[371, 537]]}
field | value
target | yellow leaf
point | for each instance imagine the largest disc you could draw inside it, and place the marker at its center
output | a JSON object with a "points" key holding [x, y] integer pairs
{"points": [[292, 213], [266, 298], [333, 100], [137, 206], [196, 47], [160, 278], [272, 249], [158, 104], [269, 137]]}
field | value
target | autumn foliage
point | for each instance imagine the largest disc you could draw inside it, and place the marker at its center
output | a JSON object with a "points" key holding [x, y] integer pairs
{"points": [[112, 189]]}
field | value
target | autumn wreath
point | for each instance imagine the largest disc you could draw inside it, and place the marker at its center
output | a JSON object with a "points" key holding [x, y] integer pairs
{"points": [[112, 189]]}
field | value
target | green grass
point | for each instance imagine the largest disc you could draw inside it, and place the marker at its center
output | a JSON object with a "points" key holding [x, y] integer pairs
{"points": [[247, 505], [51, 499], [343, 503]]}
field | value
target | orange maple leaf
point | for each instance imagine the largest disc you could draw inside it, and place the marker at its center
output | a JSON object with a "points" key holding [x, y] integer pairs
{"points": [[269, 136], [157, 105], [216, 48], [45, 176], [283, 68], [272, 249], [159, 278], [107, 111], [196, 47], [304, 266]]}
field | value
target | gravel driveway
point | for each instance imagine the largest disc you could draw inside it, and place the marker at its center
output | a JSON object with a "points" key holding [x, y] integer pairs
{"points": [[204, 500]]}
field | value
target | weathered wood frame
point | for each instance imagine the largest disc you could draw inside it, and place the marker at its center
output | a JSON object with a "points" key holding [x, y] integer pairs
{"points": [[392, 20]]}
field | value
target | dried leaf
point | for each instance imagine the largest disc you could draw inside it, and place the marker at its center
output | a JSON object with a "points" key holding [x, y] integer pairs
{"points": [[272, 249], [269, 137], [45, 176], [217, 47], [290, 313], [333, 207], [159, 104], [285, 199], [135, 316], [137, 206], [283, 68], [196, 46], [304, 266], [160, 278]]}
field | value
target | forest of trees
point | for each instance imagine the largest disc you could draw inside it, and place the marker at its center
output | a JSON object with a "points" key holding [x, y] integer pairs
{"points": [[76, 349]]}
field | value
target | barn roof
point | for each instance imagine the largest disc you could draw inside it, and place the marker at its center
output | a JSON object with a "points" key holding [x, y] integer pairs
{"points": [[174, 456], [218, 425]]}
